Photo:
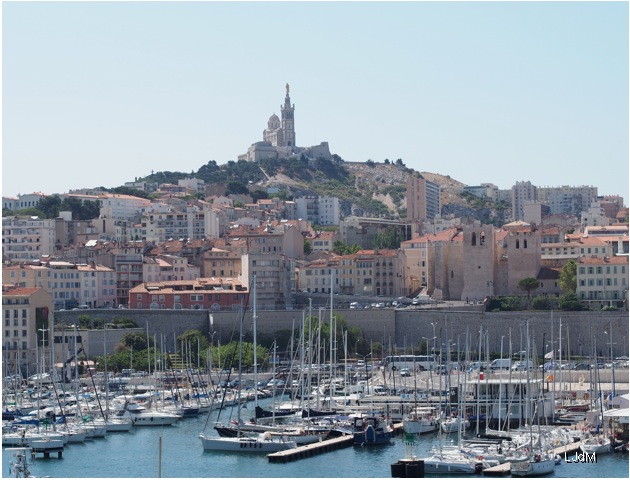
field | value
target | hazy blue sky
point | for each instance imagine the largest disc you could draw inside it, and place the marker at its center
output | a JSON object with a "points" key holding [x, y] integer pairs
{"points": [[100, 93]]}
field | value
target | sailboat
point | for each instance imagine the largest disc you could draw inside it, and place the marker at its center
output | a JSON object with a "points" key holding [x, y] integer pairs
{"points": [[539, 462], [420, 419], [263, 442]]}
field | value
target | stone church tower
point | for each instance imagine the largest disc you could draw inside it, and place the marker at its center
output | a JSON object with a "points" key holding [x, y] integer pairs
{"points": [[282, 134]]}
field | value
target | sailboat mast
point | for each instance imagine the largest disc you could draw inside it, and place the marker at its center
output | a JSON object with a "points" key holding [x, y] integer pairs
{"points": [[254, 316]]}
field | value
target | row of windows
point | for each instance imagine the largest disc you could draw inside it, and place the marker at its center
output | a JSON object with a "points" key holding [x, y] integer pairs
{"points": [[599, 295], [16, 333], [7, 321], [195, 297], [600, 270], [8, 346], [16, 314], [600, 282]]}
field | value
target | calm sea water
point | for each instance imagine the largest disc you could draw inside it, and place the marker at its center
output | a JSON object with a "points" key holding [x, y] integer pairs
{"points": [[135, 455]]}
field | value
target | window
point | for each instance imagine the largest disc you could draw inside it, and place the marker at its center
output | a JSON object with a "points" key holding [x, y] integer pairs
{"points": [[24, 333], [7, 322], [582, 270]]}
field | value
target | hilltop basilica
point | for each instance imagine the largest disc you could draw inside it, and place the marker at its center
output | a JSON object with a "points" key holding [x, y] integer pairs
{"points": [[279, 138]]}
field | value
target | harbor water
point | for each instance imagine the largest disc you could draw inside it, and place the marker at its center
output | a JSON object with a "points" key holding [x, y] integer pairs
{"points": [[135, 454]]}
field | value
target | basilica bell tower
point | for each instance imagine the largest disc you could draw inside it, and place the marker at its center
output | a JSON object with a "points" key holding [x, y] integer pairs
{"points": [[288, 123]]}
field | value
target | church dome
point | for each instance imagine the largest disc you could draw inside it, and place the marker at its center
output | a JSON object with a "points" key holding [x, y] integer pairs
{"points": [[274, 121]]}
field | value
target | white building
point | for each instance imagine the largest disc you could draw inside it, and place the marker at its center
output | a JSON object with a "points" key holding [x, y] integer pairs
{"points": [[27, 238], [319, 210], [124, 207]]}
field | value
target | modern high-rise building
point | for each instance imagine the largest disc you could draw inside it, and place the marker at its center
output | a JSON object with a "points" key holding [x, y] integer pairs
{"points": [[522, 192], [423, 199]]}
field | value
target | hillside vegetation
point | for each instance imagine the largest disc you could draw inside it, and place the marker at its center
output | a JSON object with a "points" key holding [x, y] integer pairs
{"points": [[369, 189]]}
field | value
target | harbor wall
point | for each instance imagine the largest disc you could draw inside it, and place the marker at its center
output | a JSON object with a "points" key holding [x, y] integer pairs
{"points": [[582, 331]]}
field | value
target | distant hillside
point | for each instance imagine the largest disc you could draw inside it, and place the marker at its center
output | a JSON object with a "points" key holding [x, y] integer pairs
{"points": [[370, 188]]}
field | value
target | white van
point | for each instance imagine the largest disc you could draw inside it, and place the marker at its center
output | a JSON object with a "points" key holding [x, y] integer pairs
{"points": [[501, 364], [354, 304]]}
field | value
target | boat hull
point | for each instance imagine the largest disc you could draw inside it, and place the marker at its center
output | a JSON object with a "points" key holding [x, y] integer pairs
{"points": [[244, 445]]}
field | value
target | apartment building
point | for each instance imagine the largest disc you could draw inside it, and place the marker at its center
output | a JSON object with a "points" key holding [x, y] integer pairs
{"points": [[166, 268], [22, 201], [319, 210], [367, 272], [160, 227], [27, 238], [323, 241], [70, 285], [121, 207], [423, 199], [603, 280], [213, 294], [129, 269], [98, 286], [25, 311], [570, 200], [220, 262], [522, 192]]}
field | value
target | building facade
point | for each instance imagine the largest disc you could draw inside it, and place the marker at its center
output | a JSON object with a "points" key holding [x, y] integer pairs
{"points": [[25, 311], [27, 238], [214, 294], [423, 199], [603, 280]]}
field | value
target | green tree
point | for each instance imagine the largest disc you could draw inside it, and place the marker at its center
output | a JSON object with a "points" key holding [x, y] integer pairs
{"points": [[541, 303], [136, 341], [235, 187], [390, 239], [528, 284], [49, 206], [31, 212], [342, 248], [568, 277], [569, 302], [308, 249]]}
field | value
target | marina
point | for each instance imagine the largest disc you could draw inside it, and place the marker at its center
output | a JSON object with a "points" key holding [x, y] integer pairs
{"points": [[136, 455]]}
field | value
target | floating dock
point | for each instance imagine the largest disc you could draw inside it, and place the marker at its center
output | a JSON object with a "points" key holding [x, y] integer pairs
{"points": [[311, 449], [47, 451], [305, 451]]}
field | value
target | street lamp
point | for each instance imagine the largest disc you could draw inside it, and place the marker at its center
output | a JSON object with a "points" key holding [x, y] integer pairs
{"points": [[356, 346]]}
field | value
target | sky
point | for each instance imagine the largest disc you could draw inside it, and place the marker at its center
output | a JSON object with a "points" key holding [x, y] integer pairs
{"points": [[102, 93]]}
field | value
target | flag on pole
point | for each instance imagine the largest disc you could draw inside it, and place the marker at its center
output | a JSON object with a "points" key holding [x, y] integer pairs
{"points": [[549, 355]]}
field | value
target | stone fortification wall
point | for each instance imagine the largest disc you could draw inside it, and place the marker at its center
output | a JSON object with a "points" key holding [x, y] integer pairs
{"points": [[400, 327], [584, 330]]}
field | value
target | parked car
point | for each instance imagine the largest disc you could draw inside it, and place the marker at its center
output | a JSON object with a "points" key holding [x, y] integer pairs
{"points": [[405, 372], [582, 366], [522, 366]]}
